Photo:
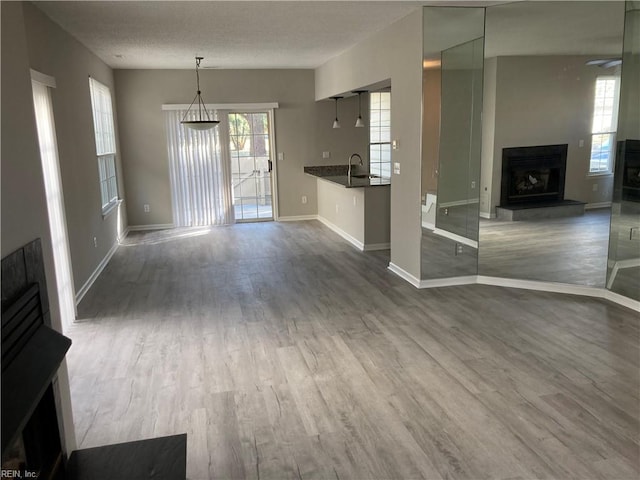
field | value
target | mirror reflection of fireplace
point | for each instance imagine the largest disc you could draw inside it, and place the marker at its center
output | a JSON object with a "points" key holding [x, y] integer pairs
{"points": [[628, 170], [533, 175], [534, 178]]}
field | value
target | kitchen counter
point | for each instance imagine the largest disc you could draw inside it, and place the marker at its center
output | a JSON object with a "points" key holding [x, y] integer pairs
{"points": [[360, 215], [338, 174]]}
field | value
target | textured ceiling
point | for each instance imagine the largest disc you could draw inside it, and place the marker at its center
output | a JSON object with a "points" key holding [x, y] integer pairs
{"points": [[229, 34], [305, 34]]}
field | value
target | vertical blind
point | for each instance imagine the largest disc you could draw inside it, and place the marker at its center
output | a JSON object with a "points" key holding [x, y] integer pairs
{"points": [[55, 200], [200, 172]]}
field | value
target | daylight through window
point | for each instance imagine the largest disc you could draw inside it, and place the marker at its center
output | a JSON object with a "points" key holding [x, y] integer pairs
{"points": [[605, 119], [105, 142]]}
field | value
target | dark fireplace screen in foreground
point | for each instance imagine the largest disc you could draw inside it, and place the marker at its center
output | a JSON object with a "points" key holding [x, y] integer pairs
{"points": [[533, 175]]}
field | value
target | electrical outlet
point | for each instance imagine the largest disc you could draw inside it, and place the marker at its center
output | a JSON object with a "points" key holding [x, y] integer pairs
{"points": [[326, 154], [355, 201], [147, 208], [337, 208], [473, 184], [594, 187], [95, 242], [280, 156], [459, 249], [304, 199], [445, 211]]}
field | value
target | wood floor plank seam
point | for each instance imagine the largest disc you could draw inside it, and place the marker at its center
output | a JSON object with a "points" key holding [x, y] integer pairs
{"points": [[285, 353]]}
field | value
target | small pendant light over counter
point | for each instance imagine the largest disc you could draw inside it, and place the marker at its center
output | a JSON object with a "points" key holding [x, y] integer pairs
{"points": [[202, 123], [359, 121], [336, 122]]}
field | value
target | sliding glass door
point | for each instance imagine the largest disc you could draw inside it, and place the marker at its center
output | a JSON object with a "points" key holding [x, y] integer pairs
{"points": [[251, 165]]}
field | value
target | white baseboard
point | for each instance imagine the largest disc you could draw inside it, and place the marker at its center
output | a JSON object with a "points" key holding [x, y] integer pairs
{"points": [[448, 282], [488, 216], [96, 273], [616, 266], [404, 275], [622, 300], [592, 206], [370, 247], [156, 226], [349, 238], [297, 218], [428, 225], [456, 238], [567, 288], [123, 234], [459, 203]]}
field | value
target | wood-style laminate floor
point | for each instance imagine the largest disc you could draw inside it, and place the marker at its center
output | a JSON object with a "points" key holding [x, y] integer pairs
{"points": [[566, 250], [285, 353]]}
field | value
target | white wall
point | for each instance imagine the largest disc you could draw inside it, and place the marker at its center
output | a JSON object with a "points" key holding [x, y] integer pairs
{"points": [[24, 208], [543, 100], [342, 207], [303, 130], [393, 54]]}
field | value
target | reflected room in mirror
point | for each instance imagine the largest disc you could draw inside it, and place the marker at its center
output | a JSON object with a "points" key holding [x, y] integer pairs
{"points": [[551, 86], [453, 61], [623, 273]]}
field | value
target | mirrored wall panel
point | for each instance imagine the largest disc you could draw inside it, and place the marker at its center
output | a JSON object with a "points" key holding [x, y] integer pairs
{"points": [[452, 108], [623, 273], [551, 95]]}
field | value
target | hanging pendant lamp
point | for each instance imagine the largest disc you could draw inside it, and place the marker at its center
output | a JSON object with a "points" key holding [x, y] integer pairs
{"points": [[359, 121], [201, 123], [336, 122]]}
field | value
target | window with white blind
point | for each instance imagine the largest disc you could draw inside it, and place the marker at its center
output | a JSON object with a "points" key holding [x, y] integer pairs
{"points": [[605, 120], [105, 143], [380, 133]]}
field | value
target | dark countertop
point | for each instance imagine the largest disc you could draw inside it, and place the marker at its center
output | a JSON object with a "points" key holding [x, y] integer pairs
{"points": [[338, 174]]}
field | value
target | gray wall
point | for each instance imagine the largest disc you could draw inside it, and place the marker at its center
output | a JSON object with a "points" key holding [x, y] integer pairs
{"points": [[394, 54], [303, 130], [24, 208], [431, 90], [544, 100], [54, 52]]}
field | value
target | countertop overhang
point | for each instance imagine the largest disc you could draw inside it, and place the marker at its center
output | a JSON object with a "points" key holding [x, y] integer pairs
{"points": [[338, 174]]}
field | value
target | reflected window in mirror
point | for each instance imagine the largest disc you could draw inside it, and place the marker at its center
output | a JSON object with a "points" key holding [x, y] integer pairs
{"points": [[605, 120]]}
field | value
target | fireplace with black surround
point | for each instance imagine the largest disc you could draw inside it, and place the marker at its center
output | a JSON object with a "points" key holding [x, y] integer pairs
{"points": [[533, 181], [32, 352], [533, 175]]}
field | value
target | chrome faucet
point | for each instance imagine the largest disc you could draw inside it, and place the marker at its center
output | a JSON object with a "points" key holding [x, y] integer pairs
{"points": [[351, 158]]}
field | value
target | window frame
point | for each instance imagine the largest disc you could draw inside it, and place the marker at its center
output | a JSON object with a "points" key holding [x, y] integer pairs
{"points": [[376, 130], [105, 138]]}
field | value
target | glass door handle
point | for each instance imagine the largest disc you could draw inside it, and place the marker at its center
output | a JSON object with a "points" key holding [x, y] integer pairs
{"points": [[270, 165]]}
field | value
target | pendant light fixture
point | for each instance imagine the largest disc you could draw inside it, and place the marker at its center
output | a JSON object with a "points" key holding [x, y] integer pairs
{"points": [[359, 121], [201, 123], [336, 122]]}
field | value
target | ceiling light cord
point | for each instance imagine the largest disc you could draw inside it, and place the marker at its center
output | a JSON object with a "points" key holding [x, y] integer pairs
{"points": [[201, 123]]}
